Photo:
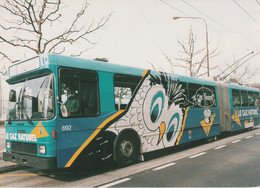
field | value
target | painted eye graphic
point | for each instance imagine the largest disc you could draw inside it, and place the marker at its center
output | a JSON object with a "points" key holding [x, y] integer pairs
{"points": [[156, 107], [173, 126]]}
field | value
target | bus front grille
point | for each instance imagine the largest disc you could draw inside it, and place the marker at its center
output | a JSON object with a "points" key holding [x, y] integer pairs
{"points": [[24, 148]]}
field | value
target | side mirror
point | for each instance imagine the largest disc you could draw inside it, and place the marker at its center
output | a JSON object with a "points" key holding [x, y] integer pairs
{"points": [[12, 95], [64, 111]]}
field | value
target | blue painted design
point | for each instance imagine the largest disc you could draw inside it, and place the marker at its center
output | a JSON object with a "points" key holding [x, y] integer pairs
{"points": [[157, 107], [171, 127]]}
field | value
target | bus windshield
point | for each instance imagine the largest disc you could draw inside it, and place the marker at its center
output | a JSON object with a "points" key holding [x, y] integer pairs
{"points": [[32, 99]]}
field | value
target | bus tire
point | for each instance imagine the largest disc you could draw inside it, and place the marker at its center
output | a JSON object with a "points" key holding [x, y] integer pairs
{"points": [[127, 149]]}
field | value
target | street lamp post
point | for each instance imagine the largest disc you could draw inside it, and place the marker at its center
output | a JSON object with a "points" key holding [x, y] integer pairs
{"points": [[207, 37]]}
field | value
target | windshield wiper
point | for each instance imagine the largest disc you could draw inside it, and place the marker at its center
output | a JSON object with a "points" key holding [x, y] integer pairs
{"points": [[9, 121], [28, 119]]}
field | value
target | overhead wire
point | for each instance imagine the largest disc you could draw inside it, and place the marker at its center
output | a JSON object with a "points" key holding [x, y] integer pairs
{"points": [[246, 12], [175, 8], [184, 13], [207, 16], [241, 64], [236, 62]]}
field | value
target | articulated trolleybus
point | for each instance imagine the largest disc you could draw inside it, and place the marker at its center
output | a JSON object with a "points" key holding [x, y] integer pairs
{"points": [[64, 110]]}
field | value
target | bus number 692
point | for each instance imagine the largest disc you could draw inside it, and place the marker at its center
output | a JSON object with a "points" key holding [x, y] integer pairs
{"points": [[66, 128]]}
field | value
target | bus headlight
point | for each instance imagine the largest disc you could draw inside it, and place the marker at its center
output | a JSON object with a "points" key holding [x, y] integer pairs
{"points": [[8, 145], [42, 149]]}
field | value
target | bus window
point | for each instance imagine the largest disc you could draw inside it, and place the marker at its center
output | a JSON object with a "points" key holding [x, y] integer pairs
{"points": [[196, 95], [256, 98], [244, 98], [124, 86], [236, 98], [184, 86], [45, 100], [79, 92], [209, 96], [251, 98], [32, 99]]}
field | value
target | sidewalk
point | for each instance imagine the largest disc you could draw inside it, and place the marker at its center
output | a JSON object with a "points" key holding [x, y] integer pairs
{"points": [[9, 166]]}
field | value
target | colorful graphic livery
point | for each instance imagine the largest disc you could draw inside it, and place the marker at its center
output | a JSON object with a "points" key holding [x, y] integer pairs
{"points": [[65, 111]]}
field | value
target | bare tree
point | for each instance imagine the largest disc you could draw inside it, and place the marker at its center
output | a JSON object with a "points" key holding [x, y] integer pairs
{"points": [[191, 59], [33, 24], [122, 96]]}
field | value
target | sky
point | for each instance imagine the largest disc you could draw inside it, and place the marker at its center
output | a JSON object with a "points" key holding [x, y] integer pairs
{"points": [[141, 31]]}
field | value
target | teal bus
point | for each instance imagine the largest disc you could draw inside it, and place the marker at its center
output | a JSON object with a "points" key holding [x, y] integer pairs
{"points": [[64, 111]]}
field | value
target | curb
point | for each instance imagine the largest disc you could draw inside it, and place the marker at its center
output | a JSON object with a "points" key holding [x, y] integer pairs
{"points": [[10, 168]]}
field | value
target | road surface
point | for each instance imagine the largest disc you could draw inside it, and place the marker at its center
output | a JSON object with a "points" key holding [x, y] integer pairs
{"points": [[230, 161]]}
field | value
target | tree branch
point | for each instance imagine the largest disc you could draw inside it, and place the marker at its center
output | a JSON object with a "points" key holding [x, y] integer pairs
{"points": [[191, 59], [32, 16]]}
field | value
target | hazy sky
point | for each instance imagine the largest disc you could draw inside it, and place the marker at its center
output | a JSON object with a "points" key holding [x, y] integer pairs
{"points": [[141, 30]]}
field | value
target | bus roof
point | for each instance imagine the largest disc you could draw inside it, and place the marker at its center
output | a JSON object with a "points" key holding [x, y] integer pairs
{"points": [[73, 62], [241, 87], [41, 63]]}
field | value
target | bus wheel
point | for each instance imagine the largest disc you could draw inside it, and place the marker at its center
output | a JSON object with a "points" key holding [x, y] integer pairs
{"points": [[126, 150]]}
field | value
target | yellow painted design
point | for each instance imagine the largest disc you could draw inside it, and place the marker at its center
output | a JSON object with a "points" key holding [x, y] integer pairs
{"points": [[235, 117], [40, 131], [182, 127], [162, 131], [21, 175], [145, 72], [251, 121], [207, 126], [84, 145]]}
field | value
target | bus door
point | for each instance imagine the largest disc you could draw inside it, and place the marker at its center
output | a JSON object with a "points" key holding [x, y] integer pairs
{"points": [[224, 107], [79, 111]]}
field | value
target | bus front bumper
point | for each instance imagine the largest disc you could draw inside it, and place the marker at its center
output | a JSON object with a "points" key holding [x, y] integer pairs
{"points": [[32, 161]]}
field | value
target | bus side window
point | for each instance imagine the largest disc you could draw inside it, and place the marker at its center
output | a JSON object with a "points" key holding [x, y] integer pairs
{"points": [[184, 86], [79, 92], [89, 98], [244, 98], [195, 96], [256, 99], [210, 96], [236, 98], [251, 98], [124, 86]]}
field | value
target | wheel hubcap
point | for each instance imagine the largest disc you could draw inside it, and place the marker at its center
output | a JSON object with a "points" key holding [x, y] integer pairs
{"points": [[126, 148]]}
